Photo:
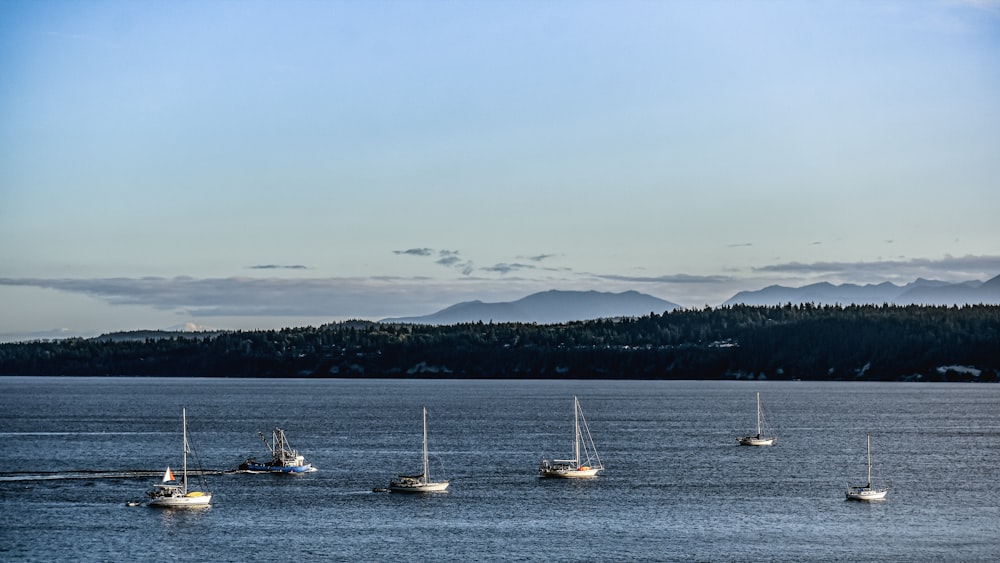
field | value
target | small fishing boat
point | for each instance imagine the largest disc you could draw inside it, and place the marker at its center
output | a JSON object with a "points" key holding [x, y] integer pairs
{"points": [[418, 483], [867, 492], [171, 494], [586, 462], [759, 439], [284, 459]]}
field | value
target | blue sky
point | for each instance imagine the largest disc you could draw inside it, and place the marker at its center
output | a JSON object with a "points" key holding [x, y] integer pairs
{"points": [[267, 164]]}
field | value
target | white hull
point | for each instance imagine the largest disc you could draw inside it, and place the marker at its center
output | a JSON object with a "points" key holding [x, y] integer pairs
{"points": [[418, 488], [753, 441], [569, 473], [182, 501], [867, 494]]}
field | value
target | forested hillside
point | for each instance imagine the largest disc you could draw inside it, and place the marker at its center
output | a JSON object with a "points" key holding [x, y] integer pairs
{"points": [[789, 342]]}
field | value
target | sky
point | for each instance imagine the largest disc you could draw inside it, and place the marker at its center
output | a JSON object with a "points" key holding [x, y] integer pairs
{"points": [[256, 165]]}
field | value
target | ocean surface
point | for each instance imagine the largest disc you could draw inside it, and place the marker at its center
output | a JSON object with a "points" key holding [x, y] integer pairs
{"points": [[677, 487]]}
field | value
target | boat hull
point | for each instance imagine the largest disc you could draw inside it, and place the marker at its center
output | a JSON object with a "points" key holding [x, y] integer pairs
{"points": [[570, 474], [866, 494], [418, 487], [562, 471], [200, 500], [754, 441], [265, 468]]}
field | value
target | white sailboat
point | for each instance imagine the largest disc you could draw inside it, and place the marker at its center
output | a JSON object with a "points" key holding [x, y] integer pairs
{"points": [[418, 483], [585, 463], [867, 492], [171, 494], [759, 439]]}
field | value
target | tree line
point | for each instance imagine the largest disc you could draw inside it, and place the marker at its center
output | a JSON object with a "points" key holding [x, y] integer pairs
{"points": [[807, 342]]}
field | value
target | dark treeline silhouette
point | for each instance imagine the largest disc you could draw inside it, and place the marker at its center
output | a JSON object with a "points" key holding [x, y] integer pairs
{"points": [[808, 342]]}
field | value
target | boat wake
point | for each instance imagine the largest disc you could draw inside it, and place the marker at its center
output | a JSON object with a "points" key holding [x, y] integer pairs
{"points": [[260, 472], [90, 475]]}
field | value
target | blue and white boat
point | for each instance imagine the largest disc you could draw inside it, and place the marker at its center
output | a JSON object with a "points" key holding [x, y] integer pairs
{"points": [[284, 459]]}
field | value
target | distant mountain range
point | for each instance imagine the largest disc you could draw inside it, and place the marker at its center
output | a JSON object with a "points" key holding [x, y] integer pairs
{"points": [[919, 292], [548, 307]]}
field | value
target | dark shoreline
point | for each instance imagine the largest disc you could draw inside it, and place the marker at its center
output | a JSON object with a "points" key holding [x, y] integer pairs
{"points": [[792, 342]]}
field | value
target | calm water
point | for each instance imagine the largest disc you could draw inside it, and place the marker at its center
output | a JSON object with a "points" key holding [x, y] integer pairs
{"points": [[677, 487]]}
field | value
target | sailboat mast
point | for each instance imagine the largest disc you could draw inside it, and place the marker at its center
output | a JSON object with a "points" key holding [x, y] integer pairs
{"points": [[869, 461], [758, 413], [426, 476], [184, 432], [576, 430]]}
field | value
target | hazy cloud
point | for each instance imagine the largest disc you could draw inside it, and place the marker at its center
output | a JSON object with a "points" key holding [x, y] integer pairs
{"points": [[453, 259], [673, 278], [740, 244], [265, 297], [504, 268], [415, 252], [978, 266], [278, 267], [447, 258], [54, 334], [538, 257]]}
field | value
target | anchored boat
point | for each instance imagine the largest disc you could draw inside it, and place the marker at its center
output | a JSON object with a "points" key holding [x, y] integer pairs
{"points": [[867, 492], [759, 439], [585, 463], [284, 459], [418, 483]]}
